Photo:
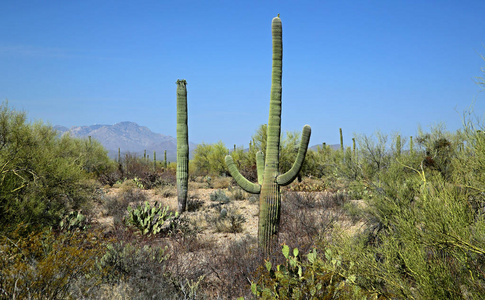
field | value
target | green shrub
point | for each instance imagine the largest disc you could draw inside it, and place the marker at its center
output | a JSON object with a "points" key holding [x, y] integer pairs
{"points": [[43, 176], [209, 159], [425, 234]]}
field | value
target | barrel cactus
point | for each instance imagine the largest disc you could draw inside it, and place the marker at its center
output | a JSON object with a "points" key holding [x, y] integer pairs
{"points": [[182, 146], [269, 179]]}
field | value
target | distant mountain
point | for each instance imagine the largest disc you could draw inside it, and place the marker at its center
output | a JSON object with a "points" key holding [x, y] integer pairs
{"points": [[128, 137]]}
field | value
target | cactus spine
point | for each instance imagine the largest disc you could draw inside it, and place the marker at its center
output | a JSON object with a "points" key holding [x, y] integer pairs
{"points": [[269, 179], [182, 146]]}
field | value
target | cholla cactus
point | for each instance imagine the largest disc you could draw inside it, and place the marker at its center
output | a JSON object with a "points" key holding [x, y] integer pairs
{"points": [[269, 179]]}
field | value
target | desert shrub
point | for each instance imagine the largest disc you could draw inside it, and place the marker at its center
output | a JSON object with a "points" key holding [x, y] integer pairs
{"points": [[112, 176], [308, 185], [143, 269], [194, 202], [44, 177], [234, 267], [230, 221], [131, 191], [209, 159], [184, 235], [441, 148], [44, 265], [166, 191], [423, 238], [221, 182], [305, 217], [219, 196], [333, 200], [238, 194], [225, 219], [142, 169], [116, 205], [133, 166], [152, 180], [319, 163], [166, 178]]}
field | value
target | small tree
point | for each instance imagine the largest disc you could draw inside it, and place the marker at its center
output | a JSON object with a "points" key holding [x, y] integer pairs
{"points": [[42, 177]]}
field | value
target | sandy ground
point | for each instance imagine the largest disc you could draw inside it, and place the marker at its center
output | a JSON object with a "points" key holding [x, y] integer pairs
{"points": [[247, 208]]}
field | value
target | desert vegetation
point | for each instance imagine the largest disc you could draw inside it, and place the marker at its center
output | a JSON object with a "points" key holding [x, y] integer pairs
{"points": [[382, 221]]}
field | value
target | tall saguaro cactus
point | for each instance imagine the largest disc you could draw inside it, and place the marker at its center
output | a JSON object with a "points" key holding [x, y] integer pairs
{"points": [[269, 179], [182, 146], [341, 140]]}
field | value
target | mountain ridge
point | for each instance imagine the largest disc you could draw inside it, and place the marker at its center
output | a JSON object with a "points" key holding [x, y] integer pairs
{"points": [[128, 137]]}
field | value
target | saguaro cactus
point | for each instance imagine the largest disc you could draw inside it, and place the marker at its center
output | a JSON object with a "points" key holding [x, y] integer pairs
{"points": [[154, 161], [353, 147], [269, 179], [341, 141], [182, 146], [398, 145]]}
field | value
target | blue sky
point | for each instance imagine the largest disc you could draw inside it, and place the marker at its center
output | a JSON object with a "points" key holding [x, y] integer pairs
{"points": [[359, 65]]}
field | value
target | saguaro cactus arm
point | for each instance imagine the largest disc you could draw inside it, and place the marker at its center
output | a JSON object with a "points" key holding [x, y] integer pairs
{"points": [[288, 177], [245, 184]]}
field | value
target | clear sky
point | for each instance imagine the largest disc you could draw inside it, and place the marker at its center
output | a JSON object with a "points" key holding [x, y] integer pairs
{"points": [[359, 65]]}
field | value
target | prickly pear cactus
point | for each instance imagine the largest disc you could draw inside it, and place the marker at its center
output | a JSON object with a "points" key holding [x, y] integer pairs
{"points": [[269, 179]]}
